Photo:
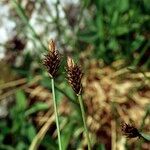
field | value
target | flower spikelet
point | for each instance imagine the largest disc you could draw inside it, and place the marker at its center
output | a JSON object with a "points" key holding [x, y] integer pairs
{"points": [[130, 131], [52, 60], [74, 76]]}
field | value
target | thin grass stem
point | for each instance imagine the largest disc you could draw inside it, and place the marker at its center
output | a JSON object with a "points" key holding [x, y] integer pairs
{"points": [[84, 121], [21, 12], [56, 115], [145, 48]]}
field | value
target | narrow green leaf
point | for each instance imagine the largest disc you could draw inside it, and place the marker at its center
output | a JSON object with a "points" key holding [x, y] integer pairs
{"points": [[101, 147], [67, 134], [146, 136], [36, 107], [21, 103], [31, 132]]}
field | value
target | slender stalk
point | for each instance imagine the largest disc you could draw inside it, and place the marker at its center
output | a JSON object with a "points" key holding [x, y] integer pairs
{"points": [[56, 115], [84, 122], [21, 12], [57, 19], [145, 48]]}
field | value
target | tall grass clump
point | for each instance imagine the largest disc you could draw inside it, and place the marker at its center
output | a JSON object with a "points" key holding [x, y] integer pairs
{"points": [[52, 62], [74, 76]]}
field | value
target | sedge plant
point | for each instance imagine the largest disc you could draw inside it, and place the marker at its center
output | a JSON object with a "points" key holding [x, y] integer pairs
{"points": [[52, 62], [131, 131], [74, 76]]}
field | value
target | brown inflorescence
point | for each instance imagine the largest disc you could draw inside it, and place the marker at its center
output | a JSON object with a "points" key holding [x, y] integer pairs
{"points": [[130, 131], [52, 60], [74, 76]]}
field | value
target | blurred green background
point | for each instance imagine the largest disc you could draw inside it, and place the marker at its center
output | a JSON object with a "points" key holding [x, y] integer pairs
{"points": [[113, 34]]}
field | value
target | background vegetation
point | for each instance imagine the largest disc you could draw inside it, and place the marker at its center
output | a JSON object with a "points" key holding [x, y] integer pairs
{"points": [[110, 39]]}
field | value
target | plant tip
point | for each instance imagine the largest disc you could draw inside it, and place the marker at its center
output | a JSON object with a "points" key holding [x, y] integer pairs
{"points": [[52, 46], [130, 131], [70, 62]]}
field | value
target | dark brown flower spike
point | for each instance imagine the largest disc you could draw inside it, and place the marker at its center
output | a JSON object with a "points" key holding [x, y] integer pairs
{"points": [[52, 60], [130, 131], [74, 75]]}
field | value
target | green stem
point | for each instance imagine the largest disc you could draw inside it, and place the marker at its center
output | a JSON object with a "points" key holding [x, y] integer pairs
{"points": [[57, 19], [56, 115], [21, 12], [84, 122], [137, 61]]}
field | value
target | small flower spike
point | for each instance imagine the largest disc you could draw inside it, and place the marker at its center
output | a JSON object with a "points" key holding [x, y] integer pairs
{"points": [[130, 131], [74, 76], [52, 60]]}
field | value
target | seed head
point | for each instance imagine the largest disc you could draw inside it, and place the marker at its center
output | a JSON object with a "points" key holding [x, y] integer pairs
{"points": [[52, 59], [74, 76], [130, 131]]}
